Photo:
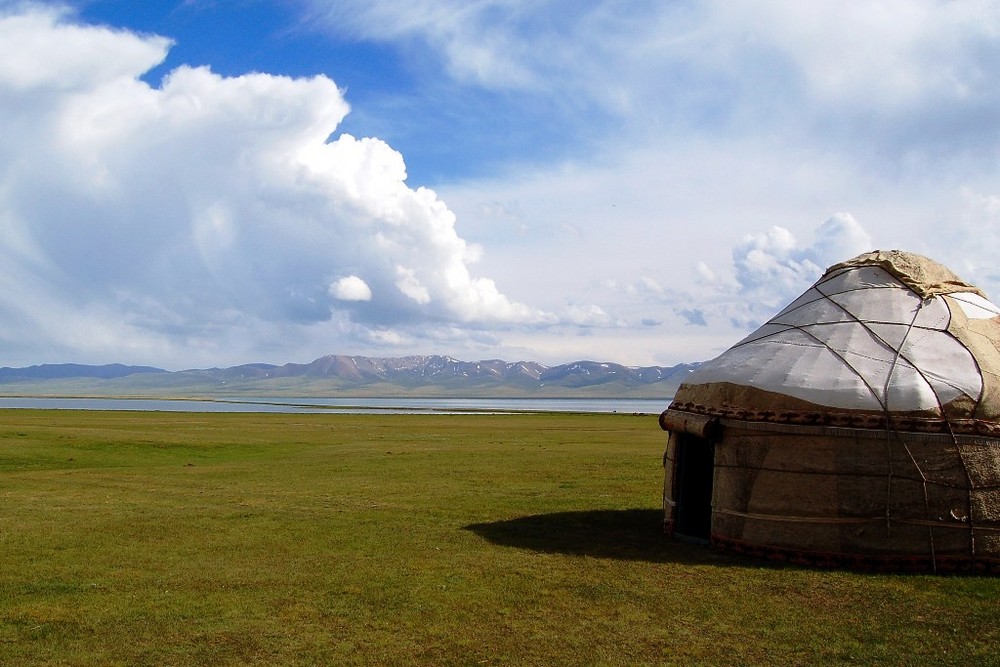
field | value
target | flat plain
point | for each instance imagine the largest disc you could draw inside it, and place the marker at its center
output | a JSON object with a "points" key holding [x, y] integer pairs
{"points": [[146, 538]]}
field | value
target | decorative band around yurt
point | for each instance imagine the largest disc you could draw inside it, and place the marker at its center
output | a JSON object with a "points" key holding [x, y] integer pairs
{"points": [[850, 420]]}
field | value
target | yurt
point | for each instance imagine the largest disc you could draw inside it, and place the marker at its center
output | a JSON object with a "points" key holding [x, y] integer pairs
{"points": [[859, 427]]}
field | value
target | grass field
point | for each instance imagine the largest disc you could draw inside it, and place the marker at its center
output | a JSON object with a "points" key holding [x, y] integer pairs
{"points": [[188, 538]]}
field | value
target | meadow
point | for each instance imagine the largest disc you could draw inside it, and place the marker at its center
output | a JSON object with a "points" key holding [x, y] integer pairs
{"points": [[132, 538]]}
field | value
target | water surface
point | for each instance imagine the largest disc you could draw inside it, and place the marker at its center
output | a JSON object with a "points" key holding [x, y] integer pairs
{"points": [[348, 405]]}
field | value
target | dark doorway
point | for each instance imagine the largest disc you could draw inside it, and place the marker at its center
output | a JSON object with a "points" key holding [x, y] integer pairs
{"points": [[695, 463]]}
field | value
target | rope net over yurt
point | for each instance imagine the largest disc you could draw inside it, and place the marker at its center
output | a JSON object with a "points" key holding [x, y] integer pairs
{"points": [[859, 426]]}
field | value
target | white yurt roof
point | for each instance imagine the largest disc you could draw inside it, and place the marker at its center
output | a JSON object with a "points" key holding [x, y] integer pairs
{"points": [[886, 332]]}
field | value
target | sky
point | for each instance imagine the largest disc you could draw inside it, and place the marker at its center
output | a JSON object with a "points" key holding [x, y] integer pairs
{"points": [[197, 183]]}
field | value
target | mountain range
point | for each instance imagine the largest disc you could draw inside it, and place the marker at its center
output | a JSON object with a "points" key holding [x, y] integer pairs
{"points": [[341, 375]]}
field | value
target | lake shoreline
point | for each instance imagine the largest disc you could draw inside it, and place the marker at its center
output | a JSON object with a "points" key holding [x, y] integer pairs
{"points": [[349, 405]]}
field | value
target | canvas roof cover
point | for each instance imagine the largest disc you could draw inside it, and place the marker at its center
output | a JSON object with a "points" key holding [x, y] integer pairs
{"points": [[885, 333]]}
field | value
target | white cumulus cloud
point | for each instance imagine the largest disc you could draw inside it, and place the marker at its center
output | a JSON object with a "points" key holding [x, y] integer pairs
{"points": [[205, 210], [351, 288], [773, 263], [772, 267]]}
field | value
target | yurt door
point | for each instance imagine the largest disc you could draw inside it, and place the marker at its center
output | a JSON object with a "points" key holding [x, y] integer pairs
{"points": [[695, 463]]}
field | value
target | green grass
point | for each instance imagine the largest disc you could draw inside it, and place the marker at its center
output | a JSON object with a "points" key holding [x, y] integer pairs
{"points": [[184, 538]]}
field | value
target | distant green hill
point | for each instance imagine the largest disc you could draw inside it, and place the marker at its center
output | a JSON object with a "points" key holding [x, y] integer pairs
{"points": [[339, 375]]}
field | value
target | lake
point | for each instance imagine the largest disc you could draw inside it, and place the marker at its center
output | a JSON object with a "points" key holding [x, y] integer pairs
{"points": [[348, 405]]}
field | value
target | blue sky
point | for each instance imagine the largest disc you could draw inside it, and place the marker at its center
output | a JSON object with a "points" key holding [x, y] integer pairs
{"points": [[194, 182]]}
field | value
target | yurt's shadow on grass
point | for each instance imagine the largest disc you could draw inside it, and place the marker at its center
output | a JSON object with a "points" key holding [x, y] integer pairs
{"points": [[631, 534]]}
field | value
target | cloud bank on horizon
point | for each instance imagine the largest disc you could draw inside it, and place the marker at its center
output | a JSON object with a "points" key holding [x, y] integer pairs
{"points": [[684, 169]]}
